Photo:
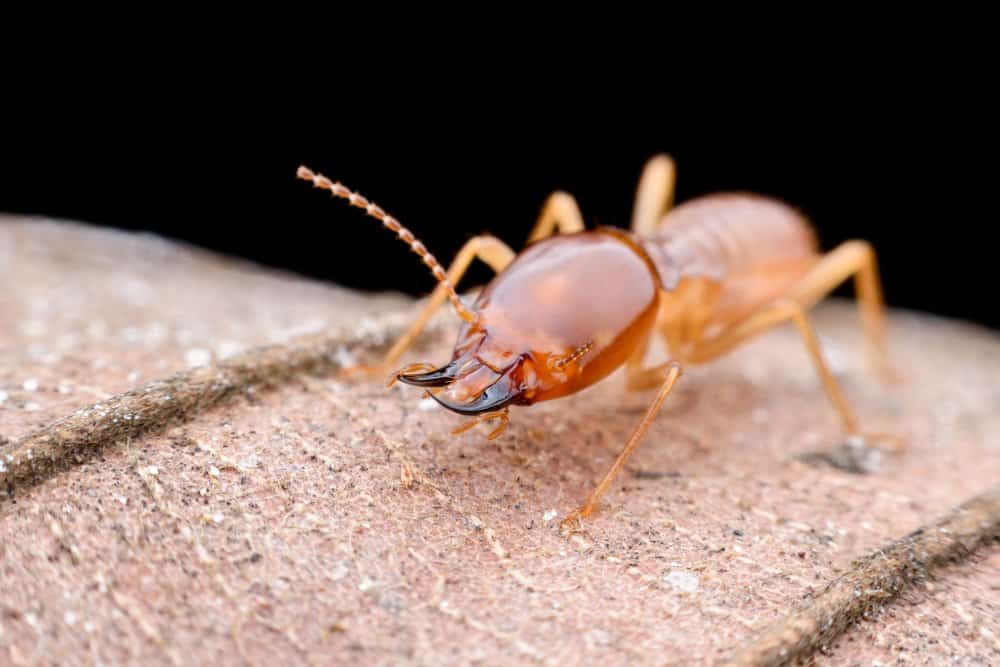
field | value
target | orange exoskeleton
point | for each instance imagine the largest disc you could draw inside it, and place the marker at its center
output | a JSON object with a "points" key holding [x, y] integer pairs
{"points": [[575, 306]]}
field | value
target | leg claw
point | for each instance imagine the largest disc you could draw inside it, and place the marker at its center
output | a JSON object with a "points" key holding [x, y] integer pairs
{"points": [[574, 520], [884, 442]]}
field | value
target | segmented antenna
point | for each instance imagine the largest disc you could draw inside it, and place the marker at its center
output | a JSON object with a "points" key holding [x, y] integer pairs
{"points": [[578, 353], [404, 234]]}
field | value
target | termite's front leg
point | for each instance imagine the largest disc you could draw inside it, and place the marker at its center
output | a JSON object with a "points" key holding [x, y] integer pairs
{"points": [[489, 249], [670, 372]]}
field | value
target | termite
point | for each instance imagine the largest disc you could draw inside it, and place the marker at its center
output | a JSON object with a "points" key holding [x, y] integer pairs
{"points": [[577, 304]]}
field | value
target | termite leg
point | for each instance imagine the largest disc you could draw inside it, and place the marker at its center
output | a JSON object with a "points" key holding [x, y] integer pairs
{"points": [[644, 379], [560, 211], [483, 418], [769, 317], [489, 249], [638, 378], [669, 378], [654, 195], [853, 258]]}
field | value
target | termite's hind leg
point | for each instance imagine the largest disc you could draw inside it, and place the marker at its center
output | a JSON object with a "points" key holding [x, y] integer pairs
{"points": [[669, 375], [489, 249], [560, 211], [654, 195], [853, 258]]}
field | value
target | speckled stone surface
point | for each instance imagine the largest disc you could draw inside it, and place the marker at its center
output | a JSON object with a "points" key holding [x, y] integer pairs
{"points": [[329, 522]]}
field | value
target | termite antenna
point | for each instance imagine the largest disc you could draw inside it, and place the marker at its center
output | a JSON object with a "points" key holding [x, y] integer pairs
{"points": [[404, 234]]}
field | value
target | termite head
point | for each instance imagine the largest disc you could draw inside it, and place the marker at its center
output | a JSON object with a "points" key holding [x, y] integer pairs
{"points": [[565, 313]]}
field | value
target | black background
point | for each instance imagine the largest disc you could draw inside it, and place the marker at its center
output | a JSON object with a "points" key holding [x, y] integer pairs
{"points": [[886, 167]]}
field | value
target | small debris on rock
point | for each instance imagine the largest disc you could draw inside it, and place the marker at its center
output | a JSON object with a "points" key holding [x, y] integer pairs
{"points": [[197, 356], [548, 516], [854, 455], [345, 357], [228, 348], [682, 580]]}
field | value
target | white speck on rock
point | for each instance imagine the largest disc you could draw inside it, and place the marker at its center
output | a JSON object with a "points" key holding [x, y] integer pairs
{"points": [[32, 407], [3, 397], [427, 404], [345, 358], [229, 348], [213, 471], [249, 462], [197, 356], [70, 618], [366, 585], [33, 328], [3, 467], [682, 580], [548, 516], [218, 517], [31, 384]]}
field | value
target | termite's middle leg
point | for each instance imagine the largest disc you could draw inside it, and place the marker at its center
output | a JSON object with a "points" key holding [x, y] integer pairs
{"points": [[489, 249], [853, 258], [765, 319]]}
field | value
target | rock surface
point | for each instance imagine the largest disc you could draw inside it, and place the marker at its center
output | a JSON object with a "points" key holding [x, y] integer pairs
{"points": [[334, 522]]}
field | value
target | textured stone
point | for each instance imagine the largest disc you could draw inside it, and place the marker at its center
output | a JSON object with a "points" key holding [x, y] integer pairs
{"points": [[332, 522]]}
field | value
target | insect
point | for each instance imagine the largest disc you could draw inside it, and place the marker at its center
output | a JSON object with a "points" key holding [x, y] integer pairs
{"points": [[576, 305]]}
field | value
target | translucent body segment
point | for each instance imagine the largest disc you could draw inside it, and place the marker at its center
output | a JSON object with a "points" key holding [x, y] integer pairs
{"points": [[754, 248]]}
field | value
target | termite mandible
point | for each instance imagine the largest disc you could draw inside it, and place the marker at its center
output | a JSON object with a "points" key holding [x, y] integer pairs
{"points": [[576, 305]]}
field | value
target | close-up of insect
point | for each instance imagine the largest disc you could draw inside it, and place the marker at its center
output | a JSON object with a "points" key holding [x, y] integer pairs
{"points": [[578, 304], [241, 424]]}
